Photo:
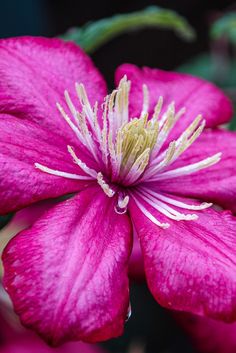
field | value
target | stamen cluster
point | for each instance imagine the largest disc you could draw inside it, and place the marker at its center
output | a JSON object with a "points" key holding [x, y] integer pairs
{"points": [[130, 152]]}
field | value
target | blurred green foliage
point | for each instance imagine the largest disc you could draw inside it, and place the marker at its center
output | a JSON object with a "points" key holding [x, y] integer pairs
{"points": [[94, 34], [219, 64], [225, 26], [211, 68]]}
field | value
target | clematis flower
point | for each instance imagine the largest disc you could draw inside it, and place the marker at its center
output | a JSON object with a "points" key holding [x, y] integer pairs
{"points": [[138, 160]]}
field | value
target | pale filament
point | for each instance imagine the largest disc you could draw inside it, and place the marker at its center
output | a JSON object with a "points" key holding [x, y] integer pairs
{"points": [[189, 169], [165, 209], [174, 202], [148, 214], [61, 174], [105, 186], [82, 165], [185, 140]]}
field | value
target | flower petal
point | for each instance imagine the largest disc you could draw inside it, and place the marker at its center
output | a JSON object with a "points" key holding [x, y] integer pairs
{"points": [[136, 268], [67, 274], [27, 342], [20, 182], [21, 220], [195, 94], [35, 72], [214, 184], [209, 336], [191, 265]]}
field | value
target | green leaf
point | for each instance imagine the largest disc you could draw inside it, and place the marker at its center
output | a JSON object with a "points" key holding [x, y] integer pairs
{"points": [[225, 27], [95, 34]]}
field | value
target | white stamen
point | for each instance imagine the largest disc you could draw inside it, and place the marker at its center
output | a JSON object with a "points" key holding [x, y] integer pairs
{"points": [[177, 203], [84, 137], [149, 215], [168, 123], [81, 164], [165, 209], [70, 123], [170, 111], [181, 112], [122, 103], [131, 150], [175, 149], [145, 100], [168, 157], [138, 167], [157, 108], [103, 140], [105, 187], [60, 173], [70, 105], [84, 101], [189, 169]]}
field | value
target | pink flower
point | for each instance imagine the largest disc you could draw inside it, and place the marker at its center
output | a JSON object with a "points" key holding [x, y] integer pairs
{"points": [[209, 336], [140, 167]]}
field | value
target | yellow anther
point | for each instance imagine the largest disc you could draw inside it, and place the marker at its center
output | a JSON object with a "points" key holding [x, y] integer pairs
{"points": [[170, 152], [135, 138], [157, 108]]}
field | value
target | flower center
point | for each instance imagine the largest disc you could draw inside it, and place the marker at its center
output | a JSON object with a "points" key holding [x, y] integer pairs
{"points": [[130, 152], [136, 141]]}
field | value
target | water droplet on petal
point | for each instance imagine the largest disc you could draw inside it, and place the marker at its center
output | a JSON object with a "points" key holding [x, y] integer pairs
{"points": [[129, 312], [122, 203], [120, 210]]}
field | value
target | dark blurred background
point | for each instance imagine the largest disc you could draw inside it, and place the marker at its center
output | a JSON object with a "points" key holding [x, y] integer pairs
{"points": [[150, 328]]}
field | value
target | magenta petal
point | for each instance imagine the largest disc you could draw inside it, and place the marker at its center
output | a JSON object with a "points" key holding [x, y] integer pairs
{"points": [[217, 183], [34, 345], [16, 339], [25, 218], [191, 265], [209, 336], [67, 274], [27, 342], [193, 93], [136, 268], [20, 148], [34, 73]]}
